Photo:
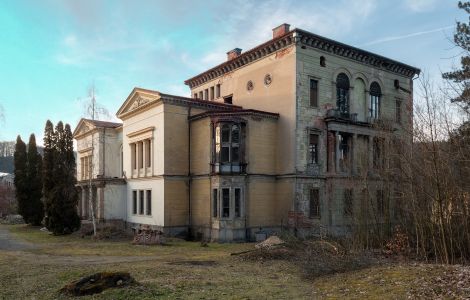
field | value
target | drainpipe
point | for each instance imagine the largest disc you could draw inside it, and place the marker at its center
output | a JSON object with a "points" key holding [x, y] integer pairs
{"points": [[189, 173]]}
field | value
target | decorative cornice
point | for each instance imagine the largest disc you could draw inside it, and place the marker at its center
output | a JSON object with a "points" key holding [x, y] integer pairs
{"points": [[237, 113], [256, 53], [359, 55], [142, 131], [299, 36]]}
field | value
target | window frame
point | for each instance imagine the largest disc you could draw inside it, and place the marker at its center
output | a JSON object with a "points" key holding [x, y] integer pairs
{"points": [[148, 202], [375, 99], [141, 202], [225, 206], [313, 148], [134, 202], [237, 206], [313, 92], [343, 86]]}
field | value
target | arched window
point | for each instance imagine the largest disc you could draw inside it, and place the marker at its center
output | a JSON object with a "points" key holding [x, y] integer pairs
{"points": [[342, 93], [375, 94]]}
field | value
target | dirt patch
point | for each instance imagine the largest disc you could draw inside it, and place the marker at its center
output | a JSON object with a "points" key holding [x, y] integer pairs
{"points": [[97, 283], [204, 263]]}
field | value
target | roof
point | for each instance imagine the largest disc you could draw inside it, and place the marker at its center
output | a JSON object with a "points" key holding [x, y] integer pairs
{"points": [[153, 96], [241, 112], [307, 39], [104, 124]]}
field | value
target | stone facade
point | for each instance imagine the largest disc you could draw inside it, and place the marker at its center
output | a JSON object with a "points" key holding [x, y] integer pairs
{"points": [[294, 133]]}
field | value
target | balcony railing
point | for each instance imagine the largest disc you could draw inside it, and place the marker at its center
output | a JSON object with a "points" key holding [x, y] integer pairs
{"points": [[229, 168], [337, 114]]}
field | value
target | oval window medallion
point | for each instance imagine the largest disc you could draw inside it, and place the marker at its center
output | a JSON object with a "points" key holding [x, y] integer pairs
{"points": [[250, 86], [268, 79]]}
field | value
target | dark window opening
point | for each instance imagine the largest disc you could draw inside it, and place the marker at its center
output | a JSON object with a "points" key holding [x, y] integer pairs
{"points": [[225, 203], [314, 203], [342, 94], [149, 203], [322, 61], [237, 201], [344, 151], [228, 99], [212, 93], [134, 202], [215, 212], [348, 202], [313, 93], [141, 202], [217, 91], [206, 94], [313, 149]]}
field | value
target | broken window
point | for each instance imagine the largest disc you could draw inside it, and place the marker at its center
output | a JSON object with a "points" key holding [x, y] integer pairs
{"points": [[227, 156], [228, 99], [375, 94], [380, 203], [313, 93], [313, 149], [314, 203], [344, 152], [342, 94], [237, 202], [215, 212], [148, 207], [134, 202], [348, 202], [225, 203]]}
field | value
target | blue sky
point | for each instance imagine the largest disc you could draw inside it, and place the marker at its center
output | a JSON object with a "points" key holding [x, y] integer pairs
{"points": [[51, 51]]}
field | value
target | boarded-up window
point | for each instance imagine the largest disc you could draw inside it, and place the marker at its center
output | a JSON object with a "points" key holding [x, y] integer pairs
{"points": [[314, 203]]}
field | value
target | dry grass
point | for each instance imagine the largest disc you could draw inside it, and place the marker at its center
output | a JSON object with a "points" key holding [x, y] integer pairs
{"points": [[185, 270]]}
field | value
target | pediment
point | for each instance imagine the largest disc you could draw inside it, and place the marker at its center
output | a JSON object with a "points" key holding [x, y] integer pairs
{"points": [[83, 127], [138, 99]]}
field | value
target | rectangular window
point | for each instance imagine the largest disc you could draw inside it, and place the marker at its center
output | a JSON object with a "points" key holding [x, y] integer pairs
{"points": [[348, 202], [215, 211], [225, 203], [217, 91], [206, 94], [380, 203], [148, 208], [313, 149], [398, 111], [134, 202], [141, 202], [238, 211], [200, 95], [313, 93], [212, 93], [148, 158], [314, 203], [134, 156], [344, 152]]}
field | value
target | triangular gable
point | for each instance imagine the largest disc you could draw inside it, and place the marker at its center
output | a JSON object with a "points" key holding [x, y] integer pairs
{"points": [[137, 99], [83, 126]]}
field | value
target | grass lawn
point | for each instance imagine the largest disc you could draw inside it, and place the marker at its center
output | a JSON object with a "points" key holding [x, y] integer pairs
{"points": [[184, 270]]}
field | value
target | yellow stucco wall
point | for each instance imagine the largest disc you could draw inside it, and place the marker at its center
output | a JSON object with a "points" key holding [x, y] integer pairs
{"points": [[200, 201], [176, 202]]}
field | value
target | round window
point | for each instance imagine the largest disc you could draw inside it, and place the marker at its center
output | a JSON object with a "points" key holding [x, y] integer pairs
{"points": [[268, 79], [250, 86]]}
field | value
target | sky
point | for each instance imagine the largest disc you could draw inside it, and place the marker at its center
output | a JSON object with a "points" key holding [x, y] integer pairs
{"points": [[53, 51]]}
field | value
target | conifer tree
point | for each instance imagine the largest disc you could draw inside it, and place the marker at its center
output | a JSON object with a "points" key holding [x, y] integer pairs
{"points": [[21, 178], [70, 190], [34, 177], [48, 168]]}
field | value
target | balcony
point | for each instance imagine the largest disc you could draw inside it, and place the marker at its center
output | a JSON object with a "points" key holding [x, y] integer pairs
{"points": [[336, 114]]}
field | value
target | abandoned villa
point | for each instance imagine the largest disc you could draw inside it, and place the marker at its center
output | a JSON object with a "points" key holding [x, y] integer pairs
{"points": [[294, 133]]}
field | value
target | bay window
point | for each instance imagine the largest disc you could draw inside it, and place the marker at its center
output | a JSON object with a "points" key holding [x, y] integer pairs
{"points": [[227, 155]]}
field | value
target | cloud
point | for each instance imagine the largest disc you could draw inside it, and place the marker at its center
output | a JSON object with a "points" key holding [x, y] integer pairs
{"points": [[420, 5], [406, 36]]}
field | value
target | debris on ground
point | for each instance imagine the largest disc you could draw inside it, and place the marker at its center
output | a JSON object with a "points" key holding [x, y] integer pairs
{"points": [[97, 283], [269, 243], [12, 220], [147, 236], [454, 283]]}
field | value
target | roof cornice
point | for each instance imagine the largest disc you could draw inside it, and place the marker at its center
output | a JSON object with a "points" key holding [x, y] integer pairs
{"points": [[235, 113], [299, 36]]}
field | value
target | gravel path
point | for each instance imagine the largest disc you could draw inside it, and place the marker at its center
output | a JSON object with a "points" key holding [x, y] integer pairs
{"points": [[9, 243]]}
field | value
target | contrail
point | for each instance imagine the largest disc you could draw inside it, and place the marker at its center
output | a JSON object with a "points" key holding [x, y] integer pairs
{"points": [[400, 37]]}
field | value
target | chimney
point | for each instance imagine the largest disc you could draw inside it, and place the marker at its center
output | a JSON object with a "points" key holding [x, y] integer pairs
{"points": [[280, 30], [234, 53]]}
